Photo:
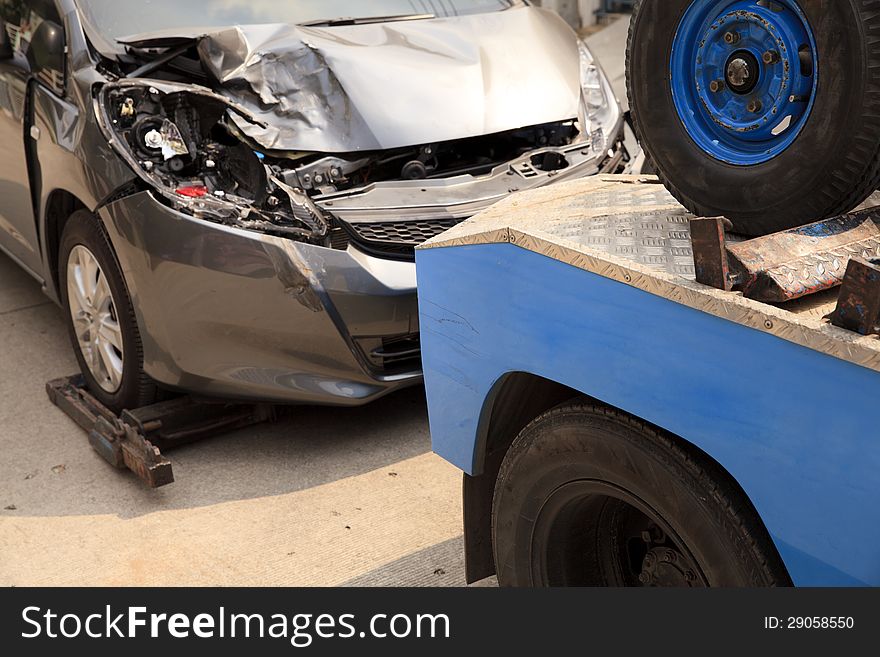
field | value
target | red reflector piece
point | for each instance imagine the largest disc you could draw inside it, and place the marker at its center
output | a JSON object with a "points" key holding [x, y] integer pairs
{"points": [[193, 191]]}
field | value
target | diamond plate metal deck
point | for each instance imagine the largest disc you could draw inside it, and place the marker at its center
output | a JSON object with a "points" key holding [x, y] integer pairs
{"points": [[636, 220], [659, 241]]}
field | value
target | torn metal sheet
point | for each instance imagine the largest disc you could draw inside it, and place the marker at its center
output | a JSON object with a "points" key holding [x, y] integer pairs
{"points": [[354, 87]]}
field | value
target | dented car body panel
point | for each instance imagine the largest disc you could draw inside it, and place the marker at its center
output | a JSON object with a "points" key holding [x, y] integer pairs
{"points": [[232, 314], [386, 85], [268, 247]]}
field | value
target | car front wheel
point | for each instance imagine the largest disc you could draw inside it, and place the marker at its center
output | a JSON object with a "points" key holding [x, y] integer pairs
{"points": [[100, 317]]}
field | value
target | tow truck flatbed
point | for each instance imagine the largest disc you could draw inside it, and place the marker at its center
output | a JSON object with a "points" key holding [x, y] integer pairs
{"points": [[589, 290]]}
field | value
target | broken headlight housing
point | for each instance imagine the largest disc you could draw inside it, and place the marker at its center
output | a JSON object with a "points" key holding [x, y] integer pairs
{"points": [[600, 109], [177, 139]]}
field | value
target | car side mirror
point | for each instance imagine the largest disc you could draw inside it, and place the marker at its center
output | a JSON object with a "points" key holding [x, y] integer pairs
{"points": [[5, 43], [46, 54]]}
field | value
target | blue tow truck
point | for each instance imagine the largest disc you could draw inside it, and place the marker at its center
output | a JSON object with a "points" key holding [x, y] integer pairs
{"points": [[638, 397]]}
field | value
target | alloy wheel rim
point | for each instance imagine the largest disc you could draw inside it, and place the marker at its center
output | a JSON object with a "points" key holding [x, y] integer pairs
{"points": [[95, 319], [744, 75]]}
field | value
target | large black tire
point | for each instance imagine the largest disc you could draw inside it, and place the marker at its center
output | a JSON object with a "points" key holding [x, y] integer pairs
{"points": [[136, 389], [832, 166], [586, 493]]}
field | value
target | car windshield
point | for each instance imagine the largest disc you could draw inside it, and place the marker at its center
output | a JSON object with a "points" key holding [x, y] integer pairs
{"points": [[115, 19]]}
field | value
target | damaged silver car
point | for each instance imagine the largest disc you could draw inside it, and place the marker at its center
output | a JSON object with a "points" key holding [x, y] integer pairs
{"points": [[226, 195]]}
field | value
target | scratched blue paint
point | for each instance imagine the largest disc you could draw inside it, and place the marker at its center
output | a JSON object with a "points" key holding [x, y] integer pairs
{"points": [[796, 428], [821, 229]]}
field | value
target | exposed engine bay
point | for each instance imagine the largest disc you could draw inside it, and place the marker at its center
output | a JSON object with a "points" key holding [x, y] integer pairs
{"points": [[180, 140], [475, 156]]}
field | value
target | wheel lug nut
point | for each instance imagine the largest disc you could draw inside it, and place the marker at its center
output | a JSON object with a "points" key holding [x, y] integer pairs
{"points": [[716, 85], [669, 556], [755, 106], [770, 57], [644, 578], [730, 38], [690, 576]]}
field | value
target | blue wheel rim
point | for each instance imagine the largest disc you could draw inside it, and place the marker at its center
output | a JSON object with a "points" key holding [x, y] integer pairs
{"points": [[744, 75]]}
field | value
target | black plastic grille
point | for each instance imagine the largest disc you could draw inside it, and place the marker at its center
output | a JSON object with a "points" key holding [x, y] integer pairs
{"points": [[393, 355], [339, 238], [398, 237], [401, 352]]}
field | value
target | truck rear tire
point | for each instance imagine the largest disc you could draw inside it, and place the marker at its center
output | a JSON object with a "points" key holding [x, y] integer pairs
{"points": [[763, 111], [587, 496]]}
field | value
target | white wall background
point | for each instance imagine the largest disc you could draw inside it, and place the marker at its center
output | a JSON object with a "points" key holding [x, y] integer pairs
{"points": [[577, 12], [588, 10]]}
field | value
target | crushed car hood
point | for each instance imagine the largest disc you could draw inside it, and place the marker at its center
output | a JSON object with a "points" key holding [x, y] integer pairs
{"points": [[389, 85]]}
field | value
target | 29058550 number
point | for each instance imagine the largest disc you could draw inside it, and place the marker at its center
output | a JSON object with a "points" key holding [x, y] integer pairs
{"points": [[809, 623]]}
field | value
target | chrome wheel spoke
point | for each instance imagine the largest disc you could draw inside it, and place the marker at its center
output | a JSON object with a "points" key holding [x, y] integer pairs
{"points": [[111, 364], [102, 298], [111, 333], [76, 289], [97, 362], [83, 329], [91, 273]]}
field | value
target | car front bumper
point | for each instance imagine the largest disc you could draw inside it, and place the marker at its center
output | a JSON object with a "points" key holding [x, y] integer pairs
{"points": [[238, 314], [230, 313]]}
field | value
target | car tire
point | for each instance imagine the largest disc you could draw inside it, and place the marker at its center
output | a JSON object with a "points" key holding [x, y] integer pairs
{"points": [[587, 496], [97, 305], [825, 163]]}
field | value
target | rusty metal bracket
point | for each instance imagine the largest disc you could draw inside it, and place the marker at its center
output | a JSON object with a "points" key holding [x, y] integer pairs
{"points": [[787, 265], [185, 420], [116, 442], [858, 308], [123, 447], [710, 253], [133, 440]]}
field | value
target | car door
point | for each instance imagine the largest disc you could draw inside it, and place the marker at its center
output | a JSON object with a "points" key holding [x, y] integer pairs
{"points": [[19, 20]]}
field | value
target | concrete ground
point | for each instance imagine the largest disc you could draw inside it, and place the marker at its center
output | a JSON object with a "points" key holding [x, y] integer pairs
{"points": [[326, 497]]}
